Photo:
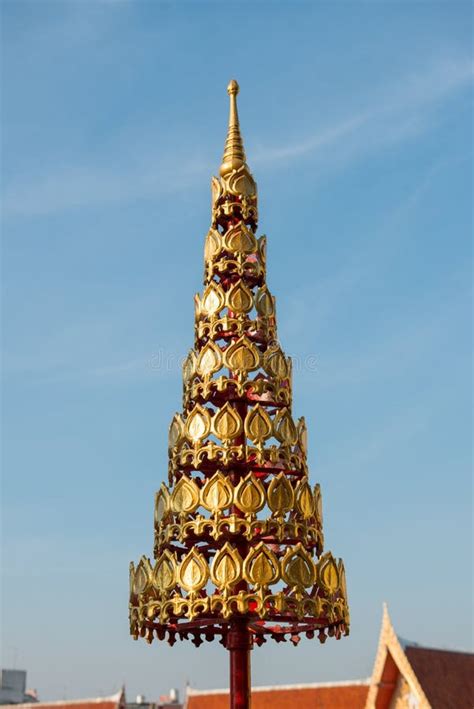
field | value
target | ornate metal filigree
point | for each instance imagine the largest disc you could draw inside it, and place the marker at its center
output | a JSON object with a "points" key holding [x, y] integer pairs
{"points": [[238, 531]]}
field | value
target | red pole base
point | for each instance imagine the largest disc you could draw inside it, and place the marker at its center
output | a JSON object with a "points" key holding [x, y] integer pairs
{"points": [[239, 644]]}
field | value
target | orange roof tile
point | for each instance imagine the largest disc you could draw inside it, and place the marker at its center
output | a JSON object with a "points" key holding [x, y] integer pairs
{"points": [[321, 696]]}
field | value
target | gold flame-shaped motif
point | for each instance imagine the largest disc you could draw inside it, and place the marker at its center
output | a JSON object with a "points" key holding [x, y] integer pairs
{"points": [[250, 495], [176, 431], [209, 360], [185, 497], [193, 571], [212, 300], [261, 566], [280, 495], [164, 575], [298, 567], [239, 298], [226, 568], [226, 423], [162, 504], [240, 240], [198, 424], [242, 356], [264, 302], [217, 493], [238, 529], [258, 424], [329, 573]]}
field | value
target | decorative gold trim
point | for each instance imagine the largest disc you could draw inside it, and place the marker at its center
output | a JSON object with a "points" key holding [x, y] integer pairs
{"points": [[276, 392], [390, 644], [309, 533], [271, 456]]}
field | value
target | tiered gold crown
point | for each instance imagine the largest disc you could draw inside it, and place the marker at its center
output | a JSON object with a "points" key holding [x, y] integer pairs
{"points": [[238, 530]]}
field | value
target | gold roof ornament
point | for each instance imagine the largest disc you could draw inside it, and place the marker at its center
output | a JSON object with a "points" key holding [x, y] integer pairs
{"points": [[238, 528]]}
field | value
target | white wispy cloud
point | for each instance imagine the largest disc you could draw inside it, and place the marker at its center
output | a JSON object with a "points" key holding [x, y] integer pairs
{"points": [[397, 113], [392, 115], [91, 185]]}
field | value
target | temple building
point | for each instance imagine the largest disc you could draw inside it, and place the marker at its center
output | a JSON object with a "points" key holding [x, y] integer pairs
{"points": [[114, 701], [405, 676]]}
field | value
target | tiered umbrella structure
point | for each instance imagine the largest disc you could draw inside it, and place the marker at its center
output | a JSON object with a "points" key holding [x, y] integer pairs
{"points": [[238, 551]]}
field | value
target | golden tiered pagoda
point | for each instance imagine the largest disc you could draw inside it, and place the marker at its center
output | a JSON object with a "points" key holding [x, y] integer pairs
{"points": [[238, 530]]}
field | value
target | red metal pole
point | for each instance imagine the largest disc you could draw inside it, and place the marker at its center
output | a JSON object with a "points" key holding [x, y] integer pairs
{"points": [[239, 641], [239, 645]]}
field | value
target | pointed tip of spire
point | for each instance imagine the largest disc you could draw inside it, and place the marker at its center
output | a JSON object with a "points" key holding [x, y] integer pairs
{"points": [[234, 153], [233, 87]]}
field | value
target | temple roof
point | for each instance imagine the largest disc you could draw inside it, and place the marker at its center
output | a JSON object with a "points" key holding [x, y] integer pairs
{"points": [[111, 702], [447, 677], [324, 695], [433, 678]]}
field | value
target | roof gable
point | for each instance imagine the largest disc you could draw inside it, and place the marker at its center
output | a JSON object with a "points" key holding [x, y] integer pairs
{"points": [[390, 663]]}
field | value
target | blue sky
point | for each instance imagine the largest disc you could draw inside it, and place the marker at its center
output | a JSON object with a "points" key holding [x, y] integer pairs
{"points": [[357, 123]]}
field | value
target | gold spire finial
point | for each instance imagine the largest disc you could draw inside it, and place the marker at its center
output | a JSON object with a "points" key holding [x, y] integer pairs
{"points": [[234, 154]]}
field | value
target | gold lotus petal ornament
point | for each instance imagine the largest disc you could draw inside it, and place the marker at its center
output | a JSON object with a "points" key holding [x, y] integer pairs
{"points": [[226, 569], [240, 182], [164, 574], [280, 495], [250, 495], [275, 363], [298, 567], [285, 429], [302, 435], [162, 504], [131, 577], [176, 431], [258, 425], [318, 503], [188, 367], [227, 423], [304, 499], [193, 572], [264, 302], [185, 497], [216, 190], [261, 566], [239, 298], [213, 299], [217, 493], [142, 576], [212, 244], [242, 356], [328, 573], [198, 424], [209, 359], [239, 239], [342, 578]]}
